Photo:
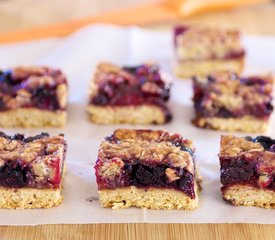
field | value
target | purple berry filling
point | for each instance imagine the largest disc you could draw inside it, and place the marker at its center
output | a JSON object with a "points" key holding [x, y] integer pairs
{"points": [[149, 175], [259, 110], [42, 97], [18, 173], [245, 170], [14, 174], [148, 88], [241, 171]]}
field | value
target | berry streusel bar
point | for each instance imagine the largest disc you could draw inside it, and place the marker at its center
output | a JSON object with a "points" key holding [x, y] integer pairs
{"points": [[226, 101], [201, 50], [146, 168], [135, 95], [32, 96], [248, 170], [31, 170]]}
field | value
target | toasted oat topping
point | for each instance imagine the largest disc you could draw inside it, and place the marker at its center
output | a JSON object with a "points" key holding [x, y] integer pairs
{"points": [[33, 86], [233, 146], [108, 76], [148, 146], [200, 43], [28, 149], [232, 92], [40, 158], [251, 158]]}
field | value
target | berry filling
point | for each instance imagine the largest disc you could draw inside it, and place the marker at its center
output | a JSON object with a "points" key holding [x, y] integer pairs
{"points": [[142, 85], [31, 161], [149, 175], [245, 171], [13, 174], [30, 88], [206, 99], [255, 168]]}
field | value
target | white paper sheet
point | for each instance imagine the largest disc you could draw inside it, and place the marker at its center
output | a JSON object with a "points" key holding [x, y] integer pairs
{"points": [[77, 55]]}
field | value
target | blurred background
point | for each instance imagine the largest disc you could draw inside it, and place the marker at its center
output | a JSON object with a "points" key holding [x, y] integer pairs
{"points": [[252, 16]]}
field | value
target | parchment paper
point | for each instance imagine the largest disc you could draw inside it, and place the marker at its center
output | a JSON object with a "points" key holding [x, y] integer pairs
{"points": [[77, 56]]}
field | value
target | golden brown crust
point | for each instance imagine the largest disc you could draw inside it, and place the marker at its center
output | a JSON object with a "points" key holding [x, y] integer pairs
{"points": [[243, 124], [187, 69], [32, 117], [144, 114], [26, 198], [151, 198], [249, 196]]}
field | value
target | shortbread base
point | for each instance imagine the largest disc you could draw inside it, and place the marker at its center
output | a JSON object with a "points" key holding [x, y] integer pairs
{"points": [[244, 124], [188, 69], [32, 117], [249, 196], [26, 198], [151, 198], [144, 114]]}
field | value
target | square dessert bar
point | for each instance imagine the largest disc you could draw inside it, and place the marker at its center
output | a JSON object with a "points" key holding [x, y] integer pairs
{"points": [[201, 50], [31, 170], [32, 96], [248, 170], [134, 95], [147, 169], [226, 101]]}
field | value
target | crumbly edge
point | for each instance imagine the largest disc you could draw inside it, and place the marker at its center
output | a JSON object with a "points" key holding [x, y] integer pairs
{"points": [[144, 114], [26, 198], [245, 195], [151, 198], [234, 146], [188, 69], [32, 117], [243, 124]]}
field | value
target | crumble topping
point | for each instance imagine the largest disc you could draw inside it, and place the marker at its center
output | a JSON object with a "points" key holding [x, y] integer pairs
{"points": [[250, 159], [37, 160], [226, 94], [33, 86], [203, 43], [148, 146], [233, 146], [111, 82]]}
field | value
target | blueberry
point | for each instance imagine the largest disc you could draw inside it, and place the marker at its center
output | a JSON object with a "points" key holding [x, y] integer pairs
{"points": [[248, 138], [266, 142], [13, 175], [100, 99], [5, 76], [186, 184], [187, 149]]}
